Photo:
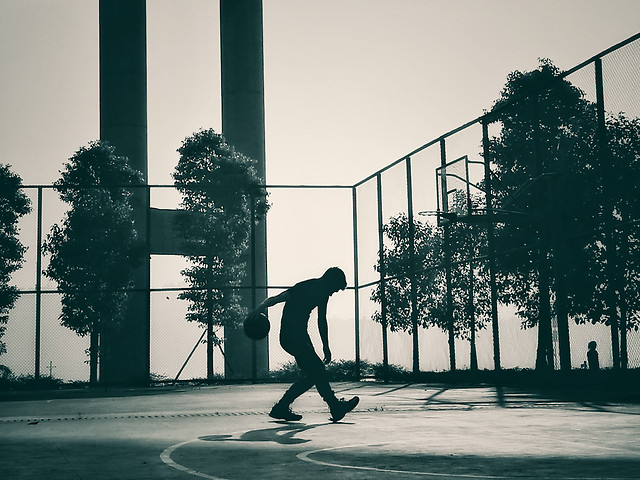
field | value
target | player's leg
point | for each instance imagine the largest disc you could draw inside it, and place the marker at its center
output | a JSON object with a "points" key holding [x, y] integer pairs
{"points": [[282, 409], [313, 372], [298, 388], [314, 369]]}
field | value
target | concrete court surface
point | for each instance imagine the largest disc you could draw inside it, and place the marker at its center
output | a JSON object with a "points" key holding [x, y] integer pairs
{"points": [[399, 431]]}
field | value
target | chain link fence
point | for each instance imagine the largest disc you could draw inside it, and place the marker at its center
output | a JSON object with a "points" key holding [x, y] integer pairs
{"points": [[409, 189], [310, 228]]}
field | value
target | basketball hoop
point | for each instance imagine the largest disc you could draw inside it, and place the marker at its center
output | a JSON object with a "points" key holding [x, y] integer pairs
{"points": [[457, 194]]}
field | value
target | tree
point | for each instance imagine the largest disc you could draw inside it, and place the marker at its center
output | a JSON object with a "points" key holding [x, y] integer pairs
{"points": [[539, 161], [14, 204], [401, 268], [223, 196], [548, 167], [624, 152], [95, 249], [470, 307], [471, 297], [620, 167]]}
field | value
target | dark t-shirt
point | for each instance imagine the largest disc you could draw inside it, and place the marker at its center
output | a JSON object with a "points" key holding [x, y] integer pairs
{"points": [[303, 298], [592, 357]]}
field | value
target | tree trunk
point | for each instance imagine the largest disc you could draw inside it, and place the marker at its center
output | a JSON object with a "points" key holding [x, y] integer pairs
{"points": [[472, 322], [93, 359], [544, 358]]}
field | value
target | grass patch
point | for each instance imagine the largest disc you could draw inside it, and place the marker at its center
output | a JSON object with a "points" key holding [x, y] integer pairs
{"points": [[345, 370]]}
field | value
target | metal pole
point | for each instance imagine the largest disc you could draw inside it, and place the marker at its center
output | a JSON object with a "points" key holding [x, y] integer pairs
{"points": [[147, 324], [610, 246], [472, 320], [356, 280], [209, 318], [623, 305], [491, 247], [254, 346], [204, 332], [447, 255], [468, 184], [38, 286], [383, 300], [412, 260]]}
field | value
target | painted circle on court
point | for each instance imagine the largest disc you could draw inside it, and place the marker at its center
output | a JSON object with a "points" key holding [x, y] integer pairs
{"points": [[466, 464], [305, 456], [465, 467]]}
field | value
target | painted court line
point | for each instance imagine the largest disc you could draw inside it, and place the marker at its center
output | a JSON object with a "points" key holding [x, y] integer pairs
{"points": [[165, 456], [305, 457]]}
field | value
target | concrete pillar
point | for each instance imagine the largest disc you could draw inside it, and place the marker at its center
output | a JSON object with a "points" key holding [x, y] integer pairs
{"points": [[242, 67], [123, 123]]}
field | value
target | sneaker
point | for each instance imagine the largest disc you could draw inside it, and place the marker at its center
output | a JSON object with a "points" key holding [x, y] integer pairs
{"points": [[341, 407], [282, 412]]}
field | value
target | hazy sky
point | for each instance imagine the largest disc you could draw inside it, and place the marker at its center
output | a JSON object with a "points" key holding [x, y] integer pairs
{"points": [[350, 85]]}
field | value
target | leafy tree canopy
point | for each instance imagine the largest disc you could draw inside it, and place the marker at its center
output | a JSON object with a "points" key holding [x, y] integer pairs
{"points": [[542, 167], [14, 204], [547, 164], [427, 269], [95, 248], [224, 195]]}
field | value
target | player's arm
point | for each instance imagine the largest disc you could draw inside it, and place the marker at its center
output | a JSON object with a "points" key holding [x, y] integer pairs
{"points": [[271, 301], [324, 331]]}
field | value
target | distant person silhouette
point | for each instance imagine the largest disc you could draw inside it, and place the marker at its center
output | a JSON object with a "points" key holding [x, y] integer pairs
{"points": [[592, 356], [300, 300]]}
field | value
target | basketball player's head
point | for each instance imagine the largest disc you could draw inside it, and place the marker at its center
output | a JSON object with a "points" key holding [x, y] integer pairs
{"points": [[335, 279]]}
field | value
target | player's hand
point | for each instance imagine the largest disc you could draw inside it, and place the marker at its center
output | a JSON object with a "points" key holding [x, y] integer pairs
{"points": [[327, 355]]}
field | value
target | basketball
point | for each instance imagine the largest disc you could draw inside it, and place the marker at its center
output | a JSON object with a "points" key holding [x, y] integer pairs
{"points": [[257, 327]]}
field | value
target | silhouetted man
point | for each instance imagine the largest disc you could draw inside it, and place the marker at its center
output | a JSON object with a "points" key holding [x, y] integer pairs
{"points": [[592, 356], [300, 300]]}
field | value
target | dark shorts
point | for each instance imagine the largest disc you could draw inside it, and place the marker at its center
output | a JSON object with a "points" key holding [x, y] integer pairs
{"points": [[301, 348]]}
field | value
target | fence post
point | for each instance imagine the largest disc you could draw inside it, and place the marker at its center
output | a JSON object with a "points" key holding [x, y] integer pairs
{"points": [[610, 246], [383, 273], [147, 297], [209, 318], [356, 279], [473, 363], [254, 298], [486, 153], [38, 286], [412, 262], [447, 261]]}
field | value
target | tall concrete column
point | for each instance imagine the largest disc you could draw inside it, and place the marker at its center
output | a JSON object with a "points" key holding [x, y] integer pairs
{"points": [[123, 123], [242, 67]]}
